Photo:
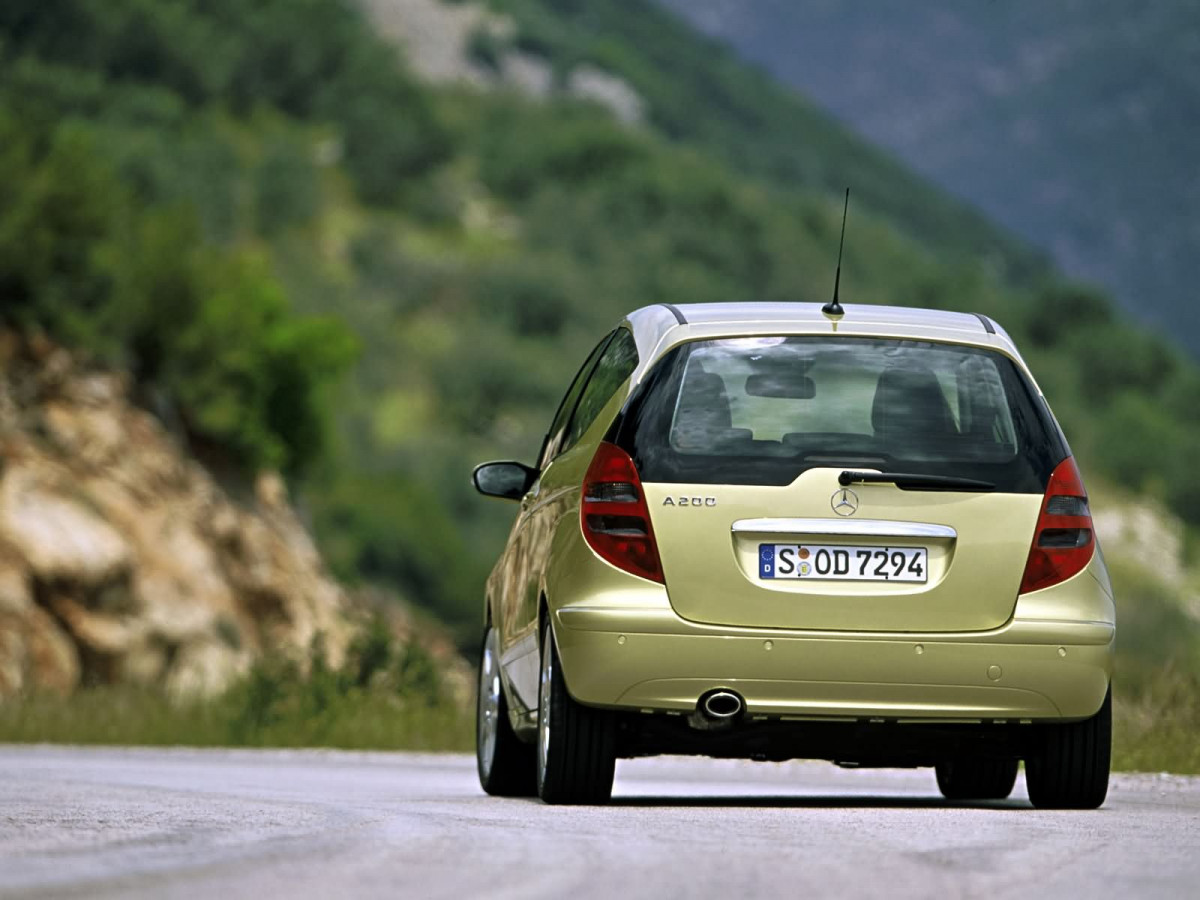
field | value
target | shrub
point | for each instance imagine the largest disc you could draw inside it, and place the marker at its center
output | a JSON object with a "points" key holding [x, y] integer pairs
{"points": [[249, 374]]}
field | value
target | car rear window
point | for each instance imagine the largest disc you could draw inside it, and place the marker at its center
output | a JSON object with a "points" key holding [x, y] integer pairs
{"points": [[762, 410]]}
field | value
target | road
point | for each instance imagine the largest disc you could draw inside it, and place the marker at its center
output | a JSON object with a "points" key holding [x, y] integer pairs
{"points": [[78, 822]]}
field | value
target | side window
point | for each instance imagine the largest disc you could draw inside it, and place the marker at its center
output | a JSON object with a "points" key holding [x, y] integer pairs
{"points": [[554, 437], [616, 365]]}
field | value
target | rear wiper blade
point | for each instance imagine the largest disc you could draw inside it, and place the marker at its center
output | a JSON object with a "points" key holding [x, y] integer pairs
{"points": [[910, 481]]}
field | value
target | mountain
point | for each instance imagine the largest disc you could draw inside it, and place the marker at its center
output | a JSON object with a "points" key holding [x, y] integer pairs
{"points": [[1070, 123]]}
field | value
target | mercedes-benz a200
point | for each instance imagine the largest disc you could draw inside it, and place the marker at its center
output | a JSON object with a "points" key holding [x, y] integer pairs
{"points": [[761, 531]]}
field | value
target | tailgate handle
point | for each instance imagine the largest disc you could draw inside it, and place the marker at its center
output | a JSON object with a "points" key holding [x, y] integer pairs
{"points": [[845, 527]]}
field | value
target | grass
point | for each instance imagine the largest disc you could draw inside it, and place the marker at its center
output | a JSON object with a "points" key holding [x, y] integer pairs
{"points": [[388, 696], [1157, 729], [368, 720], [1156, 700]]}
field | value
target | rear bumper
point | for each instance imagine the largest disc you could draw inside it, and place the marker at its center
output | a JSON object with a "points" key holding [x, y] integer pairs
{"points": [[651, 659]]}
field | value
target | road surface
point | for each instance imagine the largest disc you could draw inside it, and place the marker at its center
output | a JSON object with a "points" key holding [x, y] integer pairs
{"points": [[78, 822]]}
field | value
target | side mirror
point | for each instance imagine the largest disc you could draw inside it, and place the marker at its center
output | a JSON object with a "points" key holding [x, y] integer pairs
{"points": [[507, 480]]}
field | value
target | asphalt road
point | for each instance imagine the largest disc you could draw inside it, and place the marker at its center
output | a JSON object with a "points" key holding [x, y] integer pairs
{"points": [[227, 824]]}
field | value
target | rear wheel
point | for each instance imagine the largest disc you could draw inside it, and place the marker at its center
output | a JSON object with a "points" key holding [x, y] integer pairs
{"points": [[505, 765], [576, 755], [976, 779], [1069, 768]]}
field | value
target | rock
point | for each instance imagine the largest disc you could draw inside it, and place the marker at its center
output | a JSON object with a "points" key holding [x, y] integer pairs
{"points": [[122, 560], [90, 435], [100, 633], [434, 36], [589, 83], [178, 583], [15, 594], [98, 389], [271, 491], [144, 664], [529, 76], [53, 660], [59, 536], [35, 654], [205, 668], [438, 40]]}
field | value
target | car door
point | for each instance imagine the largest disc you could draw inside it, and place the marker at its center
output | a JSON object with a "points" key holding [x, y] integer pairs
{"points": [[518, 609], [557, 501]]}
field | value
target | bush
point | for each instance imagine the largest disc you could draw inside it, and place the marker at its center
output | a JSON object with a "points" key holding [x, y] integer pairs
{"points": [[278, 698], [1121, 359], [1140, 443], [246, 56], [1061, 310], [389, 528], [286, 188], [60, 209], [131, 274], [248, 374], [532, 296], [568, 144]]}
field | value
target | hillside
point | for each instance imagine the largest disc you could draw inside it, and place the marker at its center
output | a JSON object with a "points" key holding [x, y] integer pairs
{"points": [[310, 258], [698, 93], [1065, 122]]}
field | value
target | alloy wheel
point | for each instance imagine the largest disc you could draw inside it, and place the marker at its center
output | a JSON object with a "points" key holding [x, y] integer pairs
{"points": [[488, 711]]}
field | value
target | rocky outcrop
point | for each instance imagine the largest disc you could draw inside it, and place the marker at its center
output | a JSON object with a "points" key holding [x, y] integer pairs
{"points": [[466, 43], [121, 559]]}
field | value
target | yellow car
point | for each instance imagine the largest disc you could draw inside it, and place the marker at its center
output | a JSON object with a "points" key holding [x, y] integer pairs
{"points": [[762, 531]]}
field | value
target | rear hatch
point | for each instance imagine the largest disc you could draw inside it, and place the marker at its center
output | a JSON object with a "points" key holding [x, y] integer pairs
{"points": [[832, 483]]}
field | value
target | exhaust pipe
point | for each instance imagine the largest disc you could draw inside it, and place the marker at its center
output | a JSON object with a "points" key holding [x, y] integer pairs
{"points": [[717, 709], [721, 705]]}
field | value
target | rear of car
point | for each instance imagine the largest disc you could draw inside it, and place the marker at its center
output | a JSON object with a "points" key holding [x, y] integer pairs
{"points": [[865, 541]]}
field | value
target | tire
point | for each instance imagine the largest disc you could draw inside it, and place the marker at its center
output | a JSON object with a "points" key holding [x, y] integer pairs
{"points": [[1069, 767], [505, 764], [576, 753], [977, 779]]}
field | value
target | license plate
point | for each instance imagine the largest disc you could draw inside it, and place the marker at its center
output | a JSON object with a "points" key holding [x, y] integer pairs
{"points": [[841, 563]]}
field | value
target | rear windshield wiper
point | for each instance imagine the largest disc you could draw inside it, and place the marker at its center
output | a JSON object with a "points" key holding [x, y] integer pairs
{"points": [[909, 481]]}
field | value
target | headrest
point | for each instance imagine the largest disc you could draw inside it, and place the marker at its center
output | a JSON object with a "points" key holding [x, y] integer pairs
{"points": [[909, 400], [703, 417]]}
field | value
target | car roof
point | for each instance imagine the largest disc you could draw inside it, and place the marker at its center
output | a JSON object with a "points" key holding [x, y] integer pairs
{"points": [[658, 328]]}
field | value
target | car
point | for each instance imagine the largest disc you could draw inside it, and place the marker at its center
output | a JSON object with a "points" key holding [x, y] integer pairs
{"points": [[765, 531]]}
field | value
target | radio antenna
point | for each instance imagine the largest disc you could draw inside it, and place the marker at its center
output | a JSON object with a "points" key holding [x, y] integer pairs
{"points": [[833, 308]]}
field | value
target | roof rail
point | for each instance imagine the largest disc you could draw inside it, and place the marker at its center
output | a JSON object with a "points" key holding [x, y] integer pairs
{"points": [[675, 312]]}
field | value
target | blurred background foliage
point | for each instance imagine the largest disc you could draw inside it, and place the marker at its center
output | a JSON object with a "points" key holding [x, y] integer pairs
{"points": [[312, 261]]}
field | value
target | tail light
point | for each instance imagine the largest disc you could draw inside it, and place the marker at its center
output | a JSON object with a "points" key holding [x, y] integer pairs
{"points": [[1063, 542], [614, 515]]}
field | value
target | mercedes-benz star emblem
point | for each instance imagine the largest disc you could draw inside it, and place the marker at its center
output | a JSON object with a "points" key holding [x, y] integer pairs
{"points": [[844, 502]]}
